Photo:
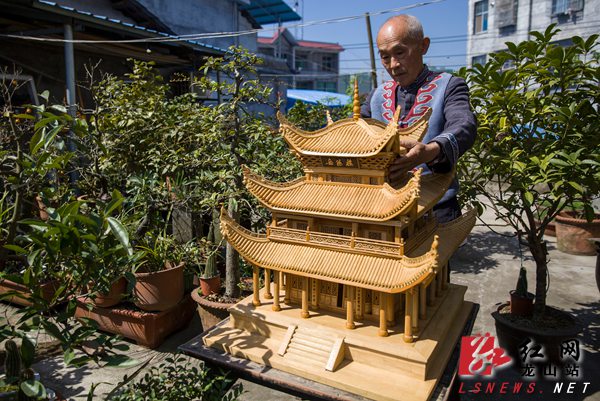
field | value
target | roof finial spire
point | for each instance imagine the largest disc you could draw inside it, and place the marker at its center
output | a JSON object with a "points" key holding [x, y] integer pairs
{"points": [[329, 120], [356, 100]]}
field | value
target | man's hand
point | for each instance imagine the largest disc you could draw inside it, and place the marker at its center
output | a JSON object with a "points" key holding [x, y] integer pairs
{"points": [[418, 153]]}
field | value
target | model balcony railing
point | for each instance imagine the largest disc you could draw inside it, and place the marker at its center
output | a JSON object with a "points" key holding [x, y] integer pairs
{"points": [[336, 241]]}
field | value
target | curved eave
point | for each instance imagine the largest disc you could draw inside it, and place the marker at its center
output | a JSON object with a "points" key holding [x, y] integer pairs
{"points": [[450, 234], [418, 129], [390, 275], [373, 203], [369, 138], [432, 189], [342, 138]]}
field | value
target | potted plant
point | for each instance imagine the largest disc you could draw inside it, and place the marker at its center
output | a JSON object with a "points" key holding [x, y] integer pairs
{"points": [[110, 256], [32, 164], [521, 300], [210, 280], [158, 272], [44, 258], [574, 228], [536, 152]]}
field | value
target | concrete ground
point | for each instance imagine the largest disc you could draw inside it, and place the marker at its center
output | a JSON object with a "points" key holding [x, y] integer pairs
{"points": [[487, 264]]}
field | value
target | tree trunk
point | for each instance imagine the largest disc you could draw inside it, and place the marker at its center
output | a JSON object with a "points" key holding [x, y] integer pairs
{"points": [[539, 252], [232, 261]]}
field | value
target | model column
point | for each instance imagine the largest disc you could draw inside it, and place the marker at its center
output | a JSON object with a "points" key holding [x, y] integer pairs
{"points": [[276, 280], [255, 296]]}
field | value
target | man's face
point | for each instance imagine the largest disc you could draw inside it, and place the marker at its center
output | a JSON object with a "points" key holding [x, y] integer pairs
{"points": [[401, 57]]}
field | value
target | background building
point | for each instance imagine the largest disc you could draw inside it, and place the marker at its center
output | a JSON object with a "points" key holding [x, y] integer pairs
{"points": [[54, 65], [303, 64], [491, 23]]}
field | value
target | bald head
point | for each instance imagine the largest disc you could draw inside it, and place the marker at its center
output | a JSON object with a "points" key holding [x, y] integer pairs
{"points": [[406, 24], [402, 45]]}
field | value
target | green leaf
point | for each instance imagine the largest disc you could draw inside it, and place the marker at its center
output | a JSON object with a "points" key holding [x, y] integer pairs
{"points": [[15, 248], [51, 135], [115, 202], [45, 95], [528, 197], [577, 186], [69, 355], [121, 233], [32, 257], [36, 141], [27, 351], [121, 360], [33, 388]]}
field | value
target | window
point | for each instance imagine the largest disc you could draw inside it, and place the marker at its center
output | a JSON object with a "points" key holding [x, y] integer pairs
{"points": [[304, 85], [566, 6], [478, 59], [560, 6], [481, 16], [327, 64], [300, 225], [301, 62], [336, 230]]}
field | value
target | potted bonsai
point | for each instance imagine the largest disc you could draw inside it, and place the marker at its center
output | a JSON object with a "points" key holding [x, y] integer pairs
{"points": [[158, 272], [536, 152]]}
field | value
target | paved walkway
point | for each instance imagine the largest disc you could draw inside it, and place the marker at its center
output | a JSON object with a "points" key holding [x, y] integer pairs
{"points": [[487, 264]]}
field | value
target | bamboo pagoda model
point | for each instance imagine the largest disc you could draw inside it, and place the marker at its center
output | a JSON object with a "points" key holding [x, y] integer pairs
{"points": [[359, 297]]}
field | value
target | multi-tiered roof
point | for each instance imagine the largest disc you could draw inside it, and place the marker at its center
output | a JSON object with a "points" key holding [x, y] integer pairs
{"points": [[359, 151]]}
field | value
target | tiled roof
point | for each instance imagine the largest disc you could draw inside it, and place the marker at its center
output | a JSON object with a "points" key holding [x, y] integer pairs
{"points": [[338, 199], [126, 25], [379, 273], [352, 138], [451, 235], [320, 45], [433, 187]]}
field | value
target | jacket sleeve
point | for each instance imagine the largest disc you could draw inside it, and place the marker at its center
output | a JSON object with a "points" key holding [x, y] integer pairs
{"points": [[365, 109], [460, 127]]}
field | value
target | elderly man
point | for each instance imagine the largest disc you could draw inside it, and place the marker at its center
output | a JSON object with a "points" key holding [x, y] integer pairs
{"points": [[452, 126]]}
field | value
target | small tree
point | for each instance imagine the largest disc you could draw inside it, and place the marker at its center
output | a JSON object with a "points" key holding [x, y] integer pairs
{"points": [[538, 145], [236, 134]]}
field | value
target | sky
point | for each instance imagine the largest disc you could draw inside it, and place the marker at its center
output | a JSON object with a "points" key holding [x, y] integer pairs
{"points": [[444, 22]]}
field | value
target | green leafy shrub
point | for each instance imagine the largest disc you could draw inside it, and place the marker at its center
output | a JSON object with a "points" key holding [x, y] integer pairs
{"points": [[178, 380]]}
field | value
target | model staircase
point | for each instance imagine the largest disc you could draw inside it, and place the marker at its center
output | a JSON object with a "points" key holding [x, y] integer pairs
{"points": [[313, 347]]}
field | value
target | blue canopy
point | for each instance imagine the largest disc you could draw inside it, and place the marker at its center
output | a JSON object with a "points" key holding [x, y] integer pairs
{"points": [[330, 99], [270, 11]]}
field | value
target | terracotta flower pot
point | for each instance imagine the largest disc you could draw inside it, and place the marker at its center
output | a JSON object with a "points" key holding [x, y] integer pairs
{"points": [[210, 312], [210, 285], [113, 297], [520, 305], [159, 291], [48, 291], [572, 234]]}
